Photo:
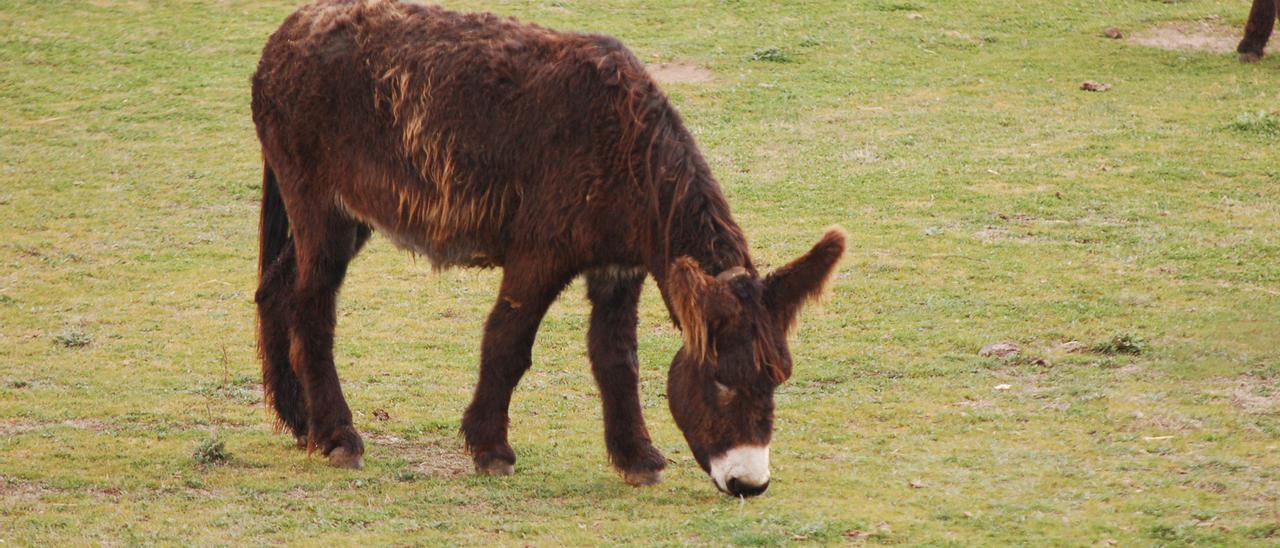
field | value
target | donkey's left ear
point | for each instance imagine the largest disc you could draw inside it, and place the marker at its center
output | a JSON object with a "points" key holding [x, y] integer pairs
{"points": [[787, 288]]}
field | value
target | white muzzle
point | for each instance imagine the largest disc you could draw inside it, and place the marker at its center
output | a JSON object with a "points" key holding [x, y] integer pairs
{"points": [[747, 464]]}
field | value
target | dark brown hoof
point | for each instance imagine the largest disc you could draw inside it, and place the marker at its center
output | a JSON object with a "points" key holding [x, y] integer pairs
{"points": [[495, 466], [640, 478], [340, 457], [1250, 56]]}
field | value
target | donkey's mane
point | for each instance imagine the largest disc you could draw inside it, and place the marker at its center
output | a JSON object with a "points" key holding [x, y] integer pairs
{"points": [[695, 212]]}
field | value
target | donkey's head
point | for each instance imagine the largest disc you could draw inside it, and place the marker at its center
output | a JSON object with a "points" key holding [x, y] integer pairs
{"points": [[721, 383]]}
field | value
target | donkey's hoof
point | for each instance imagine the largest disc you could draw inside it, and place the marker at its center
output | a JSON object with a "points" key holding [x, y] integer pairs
{"points": [[340, 457], [1250, 56], [640, 478], [495, 467]]}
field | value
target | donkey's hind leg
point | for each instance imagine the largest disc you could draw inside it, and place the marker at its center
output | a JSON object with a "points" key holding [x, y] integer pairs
{"points": [[324, 245], [526, 293], [611, 345], [1262, 19], [281, 384]]}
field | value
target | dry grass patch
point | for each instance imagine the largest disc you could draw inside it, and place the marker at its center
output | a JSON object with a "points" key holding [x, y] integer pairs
{"points": [[1206, 36], [439, 458], [678, 72]]}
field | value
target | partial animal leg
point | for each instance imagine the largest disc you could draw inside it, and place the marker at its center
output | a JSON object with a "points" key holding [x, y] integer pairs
{"points": [[276, 270], [526, 293], [324, 243], [1262, 19], [611, 345], [279, 382]]}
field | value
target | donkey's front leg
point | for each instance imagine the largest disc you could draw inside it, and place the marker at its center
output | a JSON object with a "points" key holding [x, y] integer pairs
{"points": [[504, 356], [611, 345]]}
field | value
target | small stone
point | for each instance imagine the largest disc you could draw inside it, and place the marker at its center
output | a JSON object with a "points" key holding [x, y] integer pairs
{"points": [[1071, 346], [916, 484], [1000, 350], [1003, 386], [1090, 85], [1113, 33]]}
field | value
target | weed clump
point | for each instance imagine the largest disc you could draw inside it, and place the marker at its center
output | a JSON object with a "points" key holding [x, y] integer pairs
{"points": [[1258, 123], [73, 337], [211, 451], [1161, 531], [1266, 530], [771, 55], [409, 476], [1125, 343]]}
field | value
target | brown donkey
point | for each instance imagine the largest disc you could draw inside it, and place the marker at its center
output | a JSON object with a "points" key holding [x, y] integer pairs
{"points": [[476, 140], [1262, 19]]}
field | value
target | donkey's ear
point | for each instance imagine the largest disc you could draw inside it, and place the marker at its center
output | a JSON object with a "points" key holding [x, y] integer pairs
{"points": [[787, 288]]}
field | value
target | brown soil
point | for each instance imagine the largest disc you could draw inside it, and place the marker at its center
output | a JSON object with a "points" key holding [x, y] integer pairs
{"points": [[1256, 396], [680, 73], [432, 458], [1206, 36]]}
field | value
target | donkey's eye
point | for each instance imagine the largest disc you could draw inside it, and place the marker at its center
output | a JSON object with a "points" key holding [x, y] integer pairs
{"points": [[725, 393]]}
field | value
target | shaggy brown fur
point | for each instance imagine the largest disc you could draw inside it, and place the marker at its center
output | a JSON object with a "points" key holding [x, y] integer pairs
{"points": [[477, 140], [1262, 19]]}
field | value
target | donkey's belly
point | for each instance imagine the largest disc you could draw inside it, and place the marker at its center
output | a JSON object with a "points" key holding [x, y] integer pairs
{"points": [[456, 251], [442, 245]]}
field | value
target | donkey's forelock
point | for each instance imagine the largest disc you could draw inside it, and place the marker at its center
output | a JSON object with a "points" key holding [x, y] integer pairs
{"points": [[688, 285]]}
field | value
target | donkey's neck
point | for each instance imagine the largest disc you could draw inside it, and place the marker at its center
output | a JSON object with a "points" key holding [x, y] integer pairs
{"points": [[695, 219]]}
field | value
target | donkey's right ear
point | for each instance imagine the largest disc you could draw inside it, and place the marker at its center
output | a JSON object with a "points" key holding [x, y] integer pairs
{"points": [[787, 288], [686, 285]]}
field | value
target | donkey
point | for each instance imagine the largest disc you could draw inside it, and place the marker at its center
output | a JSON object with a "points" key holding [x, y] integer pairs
{"points": [[480, 141], [1262, 19]]}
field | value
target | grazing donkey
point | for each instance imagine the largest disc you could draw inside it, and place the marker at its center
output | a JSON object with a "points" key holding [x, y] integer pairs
{"points": [[476, 140], [1262, 19]]}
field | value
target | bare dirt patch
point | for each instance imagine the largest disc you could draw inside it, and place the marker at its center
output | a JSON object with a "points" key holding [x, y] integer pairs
{"points": [[432, 458], [1205, 36], [1256, 396], [677, 72]]}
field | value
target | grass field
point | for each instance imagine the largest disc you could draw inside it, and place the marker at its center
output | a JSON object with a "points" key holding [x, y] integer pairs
{"points": [[987, 198]]}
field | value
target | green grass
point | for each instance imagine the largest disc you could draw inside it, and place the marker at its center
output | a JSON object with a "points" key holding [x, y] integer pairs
{"points": [[987, 199]]}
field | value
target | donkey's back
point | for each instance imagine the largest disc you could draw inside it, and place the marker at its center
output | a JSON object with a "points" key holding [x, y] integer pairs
{"points": [[456, 135]]}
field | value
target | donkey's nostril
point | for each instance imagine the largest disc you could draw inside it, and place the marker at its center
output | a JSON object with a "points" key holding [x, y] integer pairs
{"points": [[742, 489]]}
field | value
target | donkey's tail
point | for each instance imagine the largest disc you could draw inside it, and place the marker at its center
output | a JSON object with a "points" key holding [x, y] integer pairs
{"points": [[281, 389], [273, 226]]}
